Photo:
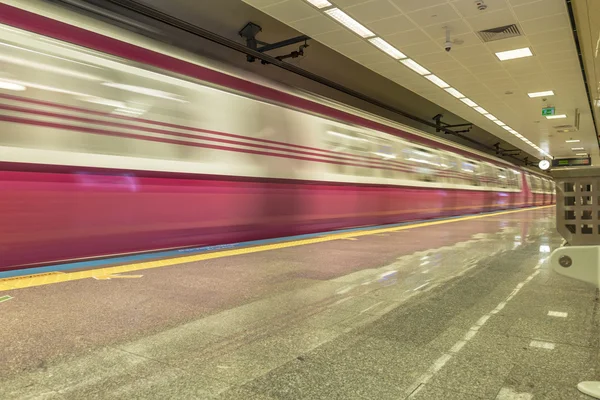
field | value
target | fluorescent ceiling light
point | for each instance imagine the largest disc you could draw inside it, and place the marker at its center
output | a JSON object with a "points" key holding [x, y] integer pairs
{"points": [[455, 93], [349, 22], [557, 116], [415, 66], [577, 148], [499, 122], [490, 116], [512, 54], [387, 48], [481, 110], [572, 141], [437, 81], [541, 94], [508, 128], [469, 102], [581, 154], [12, 86], [319, 3]]}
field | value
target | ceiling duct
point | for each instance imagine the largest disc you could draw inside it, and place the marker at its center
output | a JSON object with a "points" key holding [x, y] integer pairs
{"points": [[499, 33]]}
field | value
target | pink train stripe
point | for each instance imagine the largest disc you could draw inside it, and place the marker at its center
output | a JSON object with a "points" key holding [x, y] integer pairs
{"points": [[184, 135], [169, 125], [172, 141], [48, 27], [407, 167]]}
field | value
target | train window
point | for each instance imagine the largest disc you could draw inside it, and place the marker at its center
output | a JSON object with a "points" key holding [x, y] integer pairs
{"points": [[449, 167], [471, 169], [502, 175], [425, 161], [355, 145], [386, 151], [488, 177]]}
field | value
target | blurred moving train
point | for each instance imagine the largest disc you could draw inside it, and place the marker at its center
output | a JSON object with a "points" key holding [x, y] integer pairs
{"points": [[112, 143]]}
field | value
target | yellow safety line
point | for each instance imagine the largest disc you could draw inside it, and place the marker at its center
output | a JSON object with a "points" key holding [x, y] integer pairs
{"points": [[47, 279]]}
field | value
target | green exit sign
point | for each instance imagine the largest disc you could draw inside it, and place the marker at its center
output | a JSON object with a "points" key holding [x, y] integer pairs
{"points": [[547, 111]]}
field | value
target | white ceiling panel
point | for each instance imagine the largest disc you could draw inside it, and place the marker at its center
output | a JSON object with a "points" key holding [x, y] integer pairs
{"points": [[336, 38], [482, 59], [555, 47], [348, 3], [291, 10], [315, 25], [466, 9], [445, 66], [538, 9], [260, 4], [408, 38], [358, 47], [456, 27], [554, 35], [545, 24], [434, 58], [487, 75], [416, 28], [559, 56], [461, 52], [389, 26], [408, 6], [515, 3], [434, 15], [371, 58], [423, 48], [373, 11], [488, 20]]}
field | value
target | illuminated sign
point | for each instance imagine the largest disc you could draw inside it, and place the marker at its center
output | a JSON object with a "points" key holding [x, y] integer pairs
{"points": [[548, 111], [572, 162]]}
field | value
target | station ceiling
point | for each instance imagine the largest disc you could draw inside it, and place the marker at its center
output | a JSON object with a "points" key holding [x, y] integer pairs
{"points": [[418, 29]]}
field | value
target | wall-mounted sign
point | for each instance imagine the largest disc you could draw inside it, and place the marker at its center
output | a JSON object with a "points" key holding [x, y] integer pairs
{"points": [[548, 111], [572, 162]]}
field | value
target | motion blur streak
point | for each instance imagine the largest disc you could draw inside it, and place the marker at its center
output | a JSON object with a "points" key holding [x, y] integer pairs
{"points": [[102, 152]]}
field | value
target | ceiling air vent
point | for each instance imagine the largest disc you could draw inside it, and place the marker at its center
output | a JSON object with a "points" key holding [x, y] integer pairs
{"points": [[499, 33]]}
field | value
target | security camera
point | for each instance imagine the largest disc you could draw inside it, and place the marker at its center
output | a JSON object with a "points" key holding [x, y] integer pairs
{"points": [[448, 45]]}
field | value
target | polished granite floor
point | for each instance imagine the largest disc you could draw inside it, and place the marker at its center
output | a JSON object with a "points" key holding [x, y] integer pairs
{"points": [[461, 310]]}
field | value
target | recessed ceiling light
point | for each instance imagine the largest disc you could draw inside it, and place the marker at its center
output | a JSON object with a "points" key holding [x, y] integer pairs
{"points": [[541, 94], [572, 141], [499, 122], [387, 48], [349, 22], [577, 148], [455, 93], [415, 66], [437, 81], [512, 54], [557, 116], [469, 102], [508, 128], [481, 110], [320, 3], [490, 116], [581, 154]]}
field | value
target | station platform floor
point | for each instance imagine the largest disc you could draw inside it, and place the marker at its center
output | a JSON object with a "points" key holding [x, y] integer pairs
{"points": [[464, 308]]}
